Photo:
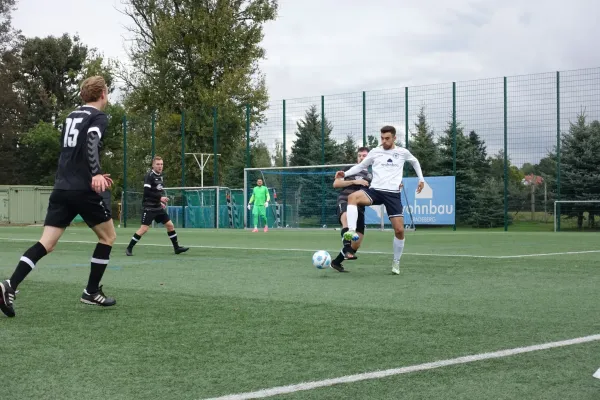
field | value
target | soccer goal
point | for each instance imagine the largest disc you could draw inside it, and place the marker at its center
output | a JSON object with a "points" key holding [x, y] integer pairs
{"points": [[205, 207], [577, 215], [304, 197]]}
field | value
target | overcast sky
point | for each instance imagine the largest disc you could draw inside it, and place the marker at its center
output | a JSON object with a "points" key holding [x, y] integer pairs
{"points": [[324, 47]]}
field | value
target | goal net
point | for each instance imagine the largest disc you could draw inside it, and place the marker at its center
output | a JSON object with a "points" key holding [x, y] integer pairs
{"points": [[304, 197], [193, 207], [577, 215]]}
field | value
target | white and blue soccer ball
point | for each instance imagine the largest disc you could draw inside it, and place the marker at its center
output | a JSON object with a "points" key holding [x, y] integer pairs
{"points": [[321, 259]]}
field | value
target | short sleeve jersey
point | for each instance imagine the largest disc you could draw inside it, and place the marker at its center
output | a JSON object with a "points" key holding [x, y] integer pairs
{"points": [[153, 190]]}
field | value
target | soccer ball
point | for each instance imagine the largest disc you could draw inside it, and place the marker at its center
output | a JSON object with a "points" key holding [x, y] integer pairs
{"points": [[321, 259]]}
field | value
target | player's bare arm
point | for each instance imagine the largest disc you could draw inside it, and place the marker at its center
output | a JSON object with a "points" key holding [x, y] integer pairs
{"points": [[341, 183]]}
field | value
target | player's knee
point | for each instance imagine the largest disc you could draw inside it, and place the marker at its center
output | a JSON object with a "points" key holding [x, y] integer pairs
{"points": [[50, 238], [49, 247], [354, 198], [169, 225], [399, 232], [109, 237], [143, 229]]}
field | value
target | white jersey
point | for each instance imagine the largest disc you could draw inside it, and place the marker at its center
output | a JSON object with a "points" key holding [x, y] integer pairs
{"points": [[388, 166]]}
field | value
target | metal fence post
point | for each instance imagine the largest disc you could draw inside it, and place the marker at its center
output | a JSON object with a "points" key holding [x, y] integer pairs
{"points": [[454, 139]]}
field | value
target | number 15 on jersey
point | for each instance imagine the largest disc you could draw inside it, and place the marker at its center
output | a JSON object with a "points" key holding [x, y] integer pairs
{"points": [[71, 132]]}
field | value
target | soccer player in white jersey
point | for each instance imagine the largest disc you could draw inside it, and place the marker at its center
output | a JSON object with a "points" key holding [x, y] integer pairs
{"points": [[387, 162]]}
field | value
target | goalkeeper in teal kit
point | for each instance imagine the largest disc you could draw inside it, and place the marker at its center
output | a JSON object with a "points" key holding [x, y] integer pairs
{"points": [[261, 198]]}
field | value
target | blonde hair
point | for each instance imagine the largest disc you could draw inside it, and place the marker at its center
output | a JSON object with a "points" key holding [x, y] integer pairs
{"points": [[92, 88], [156, 158]]}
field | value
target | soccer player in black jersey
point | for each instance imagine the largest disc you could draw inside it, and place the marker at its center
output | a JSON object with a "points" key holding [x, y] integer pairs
{"points": [[154, 204], [79, 187], [349, 185]]}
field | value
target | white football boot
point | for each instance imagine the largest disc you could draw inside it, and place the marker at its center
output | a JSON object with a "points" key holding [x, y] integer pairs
{"points": [[396, 267]]}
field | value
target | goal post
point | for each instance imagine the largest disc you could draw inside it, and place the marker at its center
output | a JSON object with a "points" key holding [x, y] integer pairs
{"points": [[580, 215], [304, 197]]}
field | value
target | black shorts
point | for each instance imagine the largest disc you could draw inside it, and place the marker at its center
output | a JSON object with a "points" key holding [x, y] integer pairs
{"points": [[392, 201], [342, 207], [65, 205], [160, 216]]}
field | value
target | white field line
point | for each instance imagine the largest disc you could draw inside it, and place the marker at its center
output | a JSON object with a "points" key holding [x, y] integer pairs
{"points": [[404, 370], [310, 250]]}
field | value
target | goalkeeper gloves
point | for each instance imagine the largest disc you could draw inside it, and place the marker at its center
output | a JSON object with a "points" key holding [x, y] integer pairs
{"points": [[266, 204], [249, 206]]}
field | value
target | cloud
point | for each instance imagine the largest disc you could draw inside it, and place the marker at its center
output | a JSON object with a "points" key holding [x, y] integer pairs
{"points": [[318, 47], [325, 47], [321, 48]]}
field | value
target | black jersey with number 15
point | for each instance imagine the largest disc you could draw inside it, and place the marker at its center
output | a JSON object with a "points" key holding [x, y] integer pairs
{"points": [[80, 143]]}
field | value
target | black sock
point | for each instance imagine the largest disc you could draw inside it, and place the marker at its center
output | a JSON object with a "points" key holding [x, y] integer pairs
{"points": [[173, 237], [99, 263], [344, 241], [27, 263], [338, 260], [136, 238]]}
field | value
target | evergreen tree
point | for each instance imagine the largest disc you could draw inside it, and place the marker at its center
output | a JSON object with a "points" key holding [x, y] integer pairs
{"points": [[467, 181], [423, 146], [308, 146], [488, 207], [481, 163], [315, 191], [372, 142], [348, 150], [580, 174]]}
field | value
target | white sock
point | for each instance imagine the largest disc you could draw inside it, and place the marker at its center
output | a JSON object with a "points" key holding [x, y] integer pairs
{"points": [[398, 248], [352, 216]]}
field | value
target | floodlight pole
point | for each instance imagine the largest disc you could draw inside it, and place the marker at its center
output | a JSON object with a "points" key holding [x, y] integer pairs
{"points": [[201, 163]]}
